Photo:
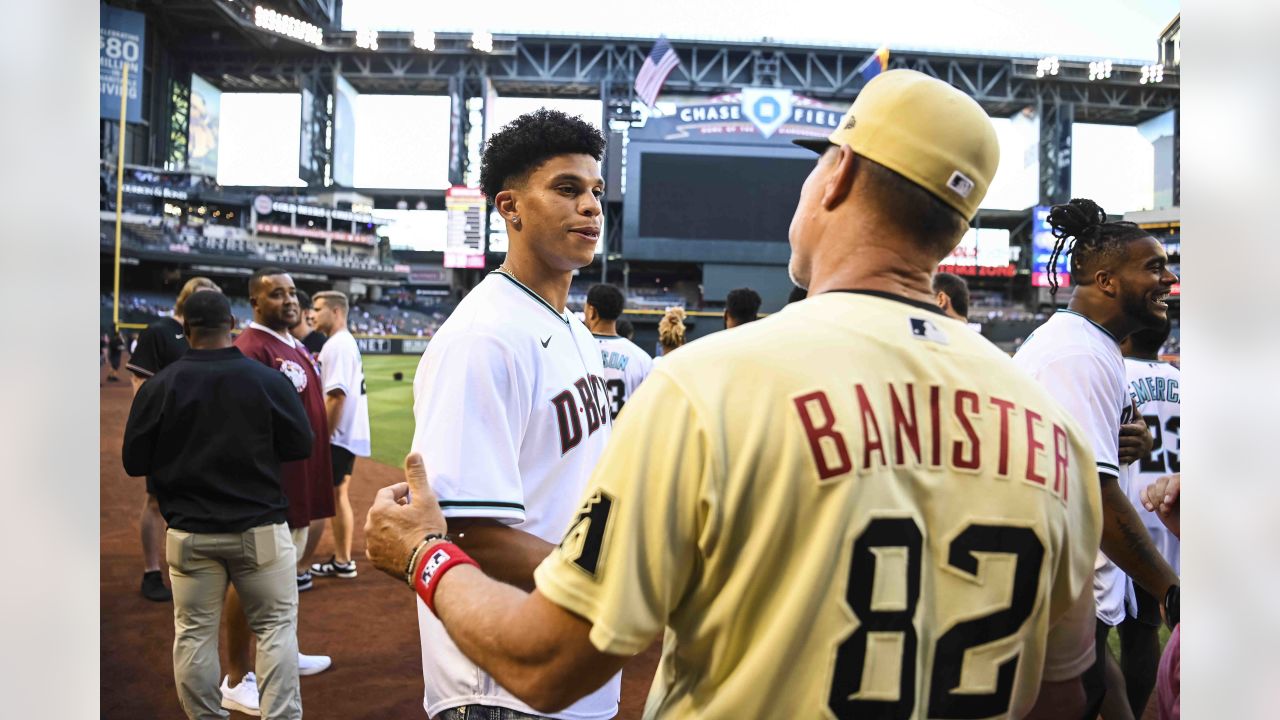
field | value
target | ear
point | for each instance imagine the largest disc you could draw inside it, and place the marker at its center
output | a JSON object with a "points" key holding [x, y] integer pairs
{"points": [[1107, 282], [840, 181], [505, 202], [943, 300]]}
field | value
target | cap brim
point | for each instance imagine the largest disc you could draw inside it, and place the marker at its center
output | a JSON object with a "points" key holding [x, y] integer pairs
{"points": [[818, 145]]}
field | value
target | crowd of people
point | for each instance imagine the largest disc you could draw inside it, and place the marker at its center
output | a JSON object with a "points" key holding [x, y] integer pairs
{"points": [[812, 496], [265, 248]]}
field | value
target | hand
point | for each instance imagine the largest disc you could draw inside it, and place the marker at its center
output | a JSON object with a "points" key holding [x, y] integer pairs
{"points": [[401, 515], [1163, 498], [1135, 440]]}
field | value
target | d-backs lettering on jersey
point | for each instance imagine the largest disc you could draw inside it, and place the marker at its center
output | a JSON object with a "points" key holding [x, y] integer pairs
{"points": [[899, 523], [625, 367], [1079, 363], [1156, 387], [511, 415], [590, 390]]}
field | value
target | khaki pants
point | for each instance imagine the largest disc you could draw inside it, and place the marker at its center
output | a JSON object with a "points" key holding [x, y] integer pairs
{"points": [[260, 563]]}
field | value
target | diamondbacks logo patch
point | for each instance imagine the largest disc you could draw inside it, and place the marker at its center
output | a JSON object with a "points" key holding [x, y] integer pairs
{"points": [[296, 374]]}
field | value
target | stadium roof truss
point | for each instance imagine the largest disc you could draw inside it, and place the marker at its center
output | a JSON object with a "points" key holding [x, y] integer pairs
{"points": [[577, 67]]}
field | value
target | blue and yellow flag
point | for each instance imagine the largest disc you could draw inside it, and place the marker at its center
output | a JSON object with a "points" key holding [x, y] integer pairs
{"points": [[876, 64]]}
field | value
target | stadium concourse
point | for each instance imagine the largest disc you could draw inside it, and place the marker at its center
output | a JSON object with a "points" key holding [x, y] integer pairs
{"points": [[380, 679]]}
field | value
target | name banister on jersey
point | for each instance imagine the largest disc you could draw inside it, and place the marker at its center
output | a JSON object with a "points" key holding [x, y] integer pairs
{"points": [[891, 425]]}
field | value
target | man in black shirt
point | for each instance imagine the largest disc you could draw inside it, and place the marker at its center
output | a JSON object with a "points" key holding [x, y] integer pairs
{"points": [[159, 345], [211, 431]]}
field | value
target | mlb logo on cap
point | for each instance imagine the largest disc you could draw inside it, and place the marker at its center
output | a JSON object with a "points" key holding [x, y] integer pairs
{"points": [[960, 184]]}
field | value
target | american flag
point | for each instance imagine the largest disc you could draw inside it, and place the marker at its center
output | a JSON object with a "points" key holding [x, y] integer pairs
{"points": [[661, 61]]}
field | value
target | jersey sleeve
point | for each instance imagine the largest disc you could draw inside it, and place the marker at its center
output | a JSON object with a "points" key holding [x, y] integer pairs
{"points": [[641, 366], [1069, 650], [471, 403], [337, 368], [144, 361], [630, 552], [1084, 386]]}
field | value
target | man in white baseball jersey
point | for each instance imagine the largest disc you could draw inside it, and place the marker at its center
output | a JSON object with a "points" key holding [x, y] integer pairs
{"points": [[1122, 280], [510, 401], [854, 508], [346, 404], [625, 364], [1156, 388]]}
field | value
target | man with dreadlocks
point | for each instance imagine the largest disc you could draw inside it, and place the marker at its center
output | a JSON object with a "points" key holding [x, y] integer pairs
{"points": [[1122, 282]]}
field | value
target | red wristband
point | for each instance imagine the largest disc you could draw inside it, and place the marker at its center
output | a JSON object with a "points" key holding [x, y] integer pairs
{"points": [[433, 565]]}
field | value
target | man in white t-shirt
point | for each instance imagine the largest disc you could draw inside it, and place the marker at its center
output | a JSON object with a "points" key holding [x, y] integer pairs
{"points": [[347, 405], [1122, 281], [510, 401], [625, 364]]}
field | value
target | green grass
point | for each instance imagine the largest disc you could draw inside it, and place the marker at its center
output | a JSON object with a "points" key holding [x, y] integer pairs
{"points": [[1113, 640], [390, 405]]}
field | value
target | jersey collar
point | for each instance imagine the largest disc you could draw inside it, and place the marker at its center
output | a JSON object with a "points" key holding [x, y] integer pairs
{"points": [[286, 338], [898, 298], [532, 294], [1091, 322]]}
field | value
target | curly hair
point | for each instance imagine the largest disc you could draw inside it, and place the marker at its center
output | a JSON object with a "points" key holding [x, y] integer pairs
{"points": [[671, 329], [528, 141], [607, 300], [1082, 231]]}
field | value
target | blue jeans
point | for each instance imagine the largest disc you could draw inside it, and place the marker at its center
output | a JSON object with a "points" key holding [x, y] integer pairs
{"points": [[485, 712]]}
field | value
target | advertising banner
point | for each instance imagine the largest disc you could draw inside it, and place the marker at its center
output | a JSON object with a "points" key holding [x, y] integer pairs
{"points": [[202, 127], [121, 39], [344, 132], [752, 115]]}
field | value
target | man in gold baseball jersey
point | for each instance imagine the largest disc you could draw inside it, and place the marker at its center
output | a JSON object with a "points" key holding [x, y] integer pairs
{"points": [[891, 522]]}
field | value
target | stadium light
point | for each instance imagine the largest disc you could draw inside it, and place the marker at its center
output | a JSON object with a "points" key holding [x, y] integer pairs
{"points": [[367, 39], [1100, 70], [1152, 74], [269, 19], [482, 41], [424, 40], [1047, 66]]}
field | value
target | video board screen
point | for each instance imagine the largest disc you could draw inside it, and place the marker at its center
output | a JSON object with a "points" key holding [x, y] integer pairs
{"points": [[706, 203]]}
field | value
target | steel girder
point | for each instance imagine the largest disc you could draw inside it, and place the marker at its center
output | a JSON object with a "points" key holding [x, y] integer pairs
{"points": [[576, 67]]}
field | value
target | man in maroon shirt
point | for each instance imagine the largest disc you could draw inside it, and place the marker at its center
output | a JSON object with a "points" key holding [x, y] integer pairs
{"points": [[308, 484]]}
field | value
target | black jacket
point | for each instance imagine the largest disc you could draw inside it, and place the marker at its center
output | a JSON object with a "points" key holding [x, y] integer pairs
{"points": [[211, 430]]}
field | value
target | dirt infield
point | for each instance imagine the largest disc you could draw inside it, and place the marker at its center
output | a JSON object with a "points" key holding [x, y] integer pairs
{"points": [[368, 625]]}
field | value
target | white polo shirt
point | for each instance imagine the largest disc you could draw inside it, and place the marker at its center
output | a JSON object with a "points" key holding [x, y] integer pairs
{"points": [[512, 414]]}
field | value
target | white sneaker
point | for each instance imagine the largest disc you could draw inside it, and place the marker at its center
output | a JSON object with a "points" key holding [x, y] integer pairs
{"points": [[313, 664], [243, 697]]}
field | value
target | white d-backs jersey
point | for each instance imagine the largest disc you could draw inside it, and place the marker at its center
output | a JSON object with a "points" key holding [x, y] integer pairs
{"points": [[1080, 364], [1154, 385], [511, 416], [625, 367]]}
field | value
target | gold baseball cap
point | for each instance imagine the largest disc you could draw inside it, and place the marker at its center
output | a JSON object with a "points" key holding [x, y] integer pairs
{"points": [[925, 130]]}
